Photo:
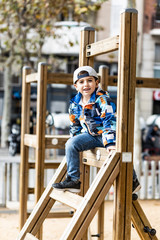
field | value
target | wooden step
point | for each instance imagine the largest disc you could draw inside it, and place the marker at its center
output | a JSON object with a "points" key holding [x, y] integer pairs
{"points": [[70, 199], [60, 214], [56, 214], [94, 157], [30, 237], [93, 163]]}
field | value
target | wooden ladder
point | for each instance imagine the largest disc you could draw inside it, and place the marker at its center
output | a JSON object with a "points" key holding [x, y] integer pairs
{"points": [[116, 168], [40, 141], [87, 206]]}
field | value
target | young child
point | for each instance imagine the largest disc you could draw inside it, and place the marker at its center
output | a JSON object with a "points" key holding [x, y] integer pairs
{"points": [[93, 124]]}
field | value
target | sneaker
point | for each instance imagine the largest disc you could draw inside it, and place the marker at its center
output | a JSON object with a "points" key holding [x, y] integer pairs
{"points": [[68, 185], [136, 186]]}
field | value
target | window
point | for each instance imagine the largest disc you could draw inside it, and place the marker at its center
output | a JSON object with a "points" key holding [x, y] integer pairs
{"points": [[157, 61], [158, 11], [157, 53]]}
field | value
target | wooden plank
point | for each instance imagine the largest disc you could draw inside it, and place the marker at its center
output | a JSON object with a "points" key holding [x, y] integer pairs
{"points": [[51, 141], [50, 164], [30, 237], [33, 77], [101, 47], [30, 140], [87, 37], [97, 154], [38, 214], [140, 220], [93, 163], [70, 199], [56, 141], [60, 214], [93, 198], [60, 78], [141, 82], [25, 115]]}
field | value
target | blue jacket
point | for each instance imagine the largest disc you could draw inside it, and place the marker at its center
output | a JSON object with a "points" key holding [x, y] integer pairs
{"points": [[97, 117]]}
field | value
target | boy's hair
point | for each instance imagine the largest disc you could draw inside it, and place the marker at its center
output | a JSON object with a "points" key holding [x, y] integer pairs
{"points": [[84, 71]]}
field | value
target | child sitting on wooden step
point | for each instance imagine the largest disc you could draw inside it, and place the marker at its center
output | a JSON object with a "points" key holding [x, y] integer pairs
{"points": [[93, 124]]}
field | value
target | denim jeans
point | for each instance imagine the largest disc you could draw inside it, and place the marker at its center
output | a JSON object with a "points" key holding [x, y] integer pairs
{"points": [[77, 144]]}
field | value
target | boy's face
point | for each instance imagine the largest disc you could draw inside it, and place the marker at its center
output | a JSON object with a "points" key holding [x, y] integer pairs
{"points": [[86, 86]]}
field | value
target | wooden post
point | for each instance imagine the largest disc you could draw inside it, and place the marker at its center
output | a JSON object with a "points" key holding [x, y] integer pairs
{"points": [[25, 114], [87, 37], [104, 77], [40, 133], [40, 129], [125, 123]]}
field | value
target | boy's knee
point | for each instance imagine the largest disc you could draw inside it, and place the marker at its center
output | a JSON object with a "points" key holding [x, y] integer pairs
{"points": [[72, 144], [69, 143]]}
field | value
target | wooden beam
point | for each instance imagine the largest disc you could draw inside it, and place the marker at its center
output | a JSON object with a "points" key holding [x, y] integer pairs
{"points": [[125, 123], [51, 141], [32, 77], [49, 164], [141, 82], [56, 141], [60, 78], [40, 129], [101, 47], [25, 116], [140, 221]]}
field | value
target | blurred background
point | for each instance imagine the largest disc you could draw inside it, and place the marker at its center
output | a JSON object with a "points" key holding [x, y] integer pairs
{"points": [[49, 31]]}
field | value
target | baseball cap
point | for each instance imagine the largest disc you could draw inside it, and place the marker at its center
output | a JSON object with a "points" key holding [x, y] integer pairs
{"points": [[90, 72]]}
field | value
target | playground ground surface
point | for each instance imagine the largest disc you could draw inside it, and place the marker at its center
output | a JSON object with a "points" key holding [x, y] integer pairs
{"points": [[53, 228]]}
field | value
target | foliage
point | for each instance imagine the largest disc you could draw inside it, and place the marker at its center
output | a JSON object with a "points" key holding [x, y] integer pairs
{"points": [[24, 24]]}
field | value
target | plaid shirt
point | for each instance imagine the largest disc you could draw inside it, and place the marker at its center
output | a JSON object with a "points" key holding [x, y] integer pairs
{"points": [[97, 117]]}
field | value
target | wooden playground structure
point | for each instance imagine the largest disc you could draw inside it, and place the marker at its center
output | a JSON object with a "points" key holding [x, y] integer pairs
{"points": [[115, 168]]}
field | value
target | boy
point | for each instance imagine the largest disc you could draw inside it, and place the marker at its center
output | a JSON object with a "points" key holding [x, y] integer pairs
{"points": [[93, 124]]}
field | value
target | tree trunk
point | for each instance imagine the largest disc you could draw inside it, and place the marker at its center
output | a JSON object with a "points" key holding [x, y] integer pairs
{"points": [[6, 116]]}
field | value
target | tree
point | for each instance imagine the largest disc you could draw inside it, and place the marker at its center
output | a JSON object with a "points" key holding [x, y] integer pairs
{"points": [[24, 24]]}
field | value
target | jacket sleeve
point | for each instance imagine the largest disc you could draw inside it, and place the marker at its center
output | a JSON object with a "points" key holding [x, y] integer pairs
{"points": [[107, 115], [75, 126]]}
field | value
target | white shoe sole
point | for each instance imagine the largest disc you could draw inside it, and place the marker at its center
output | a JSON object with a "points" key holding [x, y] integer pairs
{"points": [[73, 190]]}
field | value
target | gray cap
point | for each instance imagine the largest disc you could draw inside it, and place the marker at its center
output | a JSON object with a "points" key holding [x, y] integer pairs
{"points": [[90, 72]]}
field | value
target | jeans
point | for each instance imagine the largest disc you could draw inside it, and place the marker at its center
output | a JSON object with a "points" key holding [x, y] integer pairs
{"points": [[77, 144]]}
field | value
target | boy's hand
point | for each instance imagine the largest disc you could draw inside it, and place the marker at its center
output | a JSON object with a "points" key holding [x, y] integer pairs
{"points": [[111, 148]]}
